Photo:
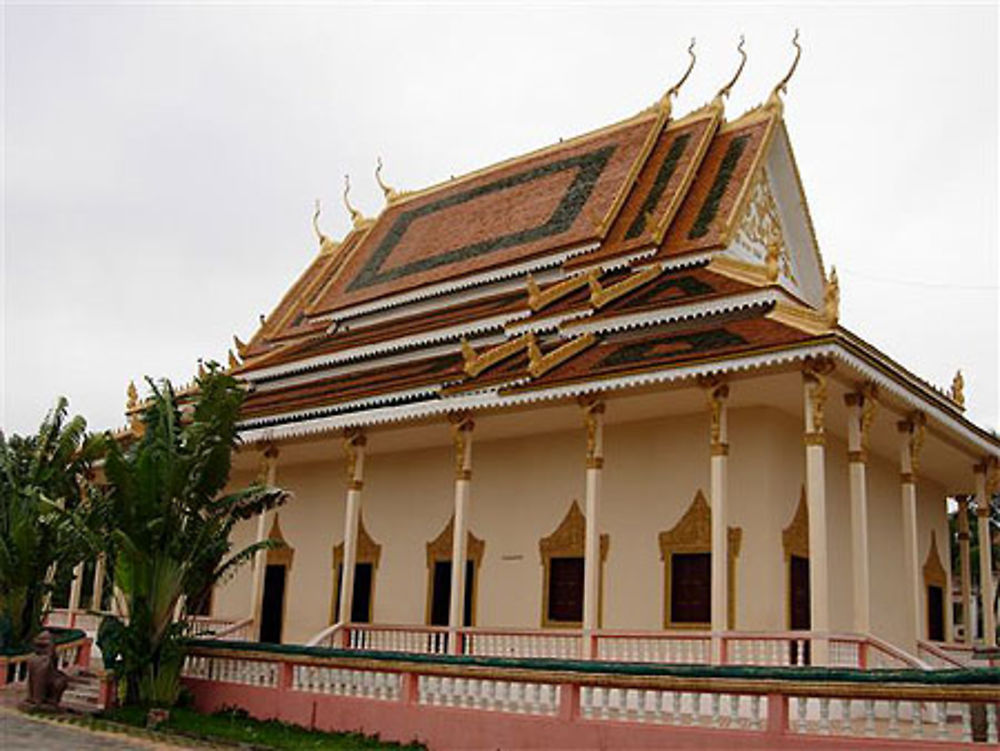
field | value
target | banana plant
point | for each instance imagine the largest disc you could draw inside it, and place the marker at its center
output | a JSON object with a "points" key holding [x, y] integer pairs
{"points": [[165, 519], [39, 474]]}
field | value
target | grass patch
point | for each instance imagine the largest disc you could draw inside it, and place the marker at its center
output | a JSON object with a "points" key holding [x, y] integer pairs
{"points": [[235, 726]]}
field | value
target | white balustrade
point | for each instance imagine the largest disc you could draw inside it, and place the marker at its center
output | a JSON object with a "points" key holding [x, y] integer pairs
{"points": [[679, 708], [656, 647], [539, 699], [263, 673]]}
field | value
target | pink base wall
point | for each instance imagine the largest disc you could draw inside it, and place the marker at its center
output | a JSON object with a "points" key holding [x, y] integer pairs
{"points": [[450, 729]]}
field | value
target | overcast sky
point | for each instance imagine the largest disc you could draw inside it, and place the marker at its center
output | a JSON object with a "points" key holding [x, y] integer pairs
{"points": [[161, 161]]}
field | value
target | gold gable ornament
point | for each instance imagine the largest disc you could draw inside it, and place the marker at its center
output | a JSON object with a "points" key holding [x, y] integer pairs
{"points": [[665, 103], [389, 192], [782, 87], [358, 220], [957, 393], [241, 347], [724, 91], [326, 245]]}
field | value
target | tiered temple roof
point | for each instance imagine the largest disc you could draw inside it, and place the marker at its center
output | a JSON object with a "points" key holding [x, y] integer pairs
{"points": [[645, 251]]}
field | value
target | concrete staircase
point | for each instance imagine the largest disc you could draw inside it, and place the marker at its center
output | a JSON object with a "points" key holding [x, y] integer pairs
{"points": [[83, 693]]}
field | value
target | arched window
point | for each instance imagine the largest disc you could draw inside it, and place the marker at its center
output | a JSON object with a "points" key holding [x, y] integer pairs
{"points": [[686, 552], [562, 554], [439, 552], [936, 587], [367, 556], [279, 561]]}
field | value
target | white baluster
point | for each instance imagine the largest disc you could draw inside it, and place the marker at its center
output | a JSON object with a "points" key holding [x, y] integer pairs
{"points": [[942, 720], [678, 717], [715, 710], [991, 723], [755, 721], [869, 718], [734, 711], [587, 701], [801, 707], [893, 718], [966, 723], [824, 715], [845, 716], [918, 719]]}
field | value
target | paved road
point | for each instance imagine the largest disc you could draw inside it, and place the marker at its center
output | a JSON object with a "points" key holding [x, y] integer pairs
{"points": [[21, 733]]}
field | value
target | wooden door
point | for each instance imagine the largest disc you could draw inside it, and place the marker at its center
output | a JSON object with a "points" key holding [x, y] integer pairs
{"points": [[441, 593], [565, 590]]}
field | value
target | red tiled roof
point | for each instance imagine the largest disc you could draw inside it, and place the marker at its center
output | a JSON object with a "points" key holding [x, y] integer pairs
{"points": [[660, 188], [709, 209], [519, 210]]}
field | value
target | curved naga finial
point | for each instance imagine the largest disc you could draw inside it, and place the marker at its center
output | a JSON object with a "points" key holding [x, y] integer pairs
{"points": [[782, 86], [388, 191], [325, 243], [672, 91], [724, 91], [357, 218]]}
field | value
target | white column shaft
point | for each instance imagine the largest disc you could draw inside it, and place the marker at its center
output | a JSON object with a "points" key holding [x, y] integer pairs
{"points": [[985, 561], [819, 587], [718, 485], [965, 570], [859, 517], [99, 573], [460, 532], [594, 419], [352, 515], [911, 562], [260, 558], [76, 587]]}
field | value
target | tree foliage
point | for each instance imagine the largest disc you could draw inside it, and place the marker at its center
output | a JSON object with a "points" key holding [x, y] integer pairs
{"points": [[38, 474], [165, 522]]}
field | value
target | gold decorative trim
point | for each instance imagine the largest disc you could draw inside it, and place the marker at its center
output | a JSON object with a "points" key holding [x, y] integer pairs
{"points": [[464, 474], [462, 426], [366, 551], [568, 540], [957, 393], [934, 573], [541, 364], [907, 478], [814, 439], [761, 229], [983, 510], [358, 220], [476, 363], [601, 296], [993, 478], [358, 485], [719, 449], [390, 193], [595, 462], [326, 245], [592, 411], [795, 537], [857, 457], [282, 555], [740, 271], [798, 316], [715, 392], [868, 409], [831, 299], [353, 440], [441, 549], [693, 534], [539, 298]]}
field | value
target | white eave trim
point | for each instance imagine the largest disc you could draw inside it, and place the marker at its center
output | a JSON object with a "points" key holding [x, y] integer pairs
{"points": [[485, 277], [385, 413], [387, 347]]}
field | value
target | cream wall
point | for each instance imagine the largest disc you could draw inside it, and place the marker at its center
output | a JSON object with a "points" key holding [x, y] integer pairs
{"points": [[522, 489]]}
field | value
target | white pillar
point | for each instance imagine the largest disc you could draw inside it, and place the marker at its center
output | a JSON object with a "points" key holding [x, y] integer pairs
{"points": [[354, 450], [985, 556], [76, 587], [98, 582], [269, 472], [815, 440], [965, 563], [719, 447], [462, 426], [860, 411], [911, 432], [593, 416]]}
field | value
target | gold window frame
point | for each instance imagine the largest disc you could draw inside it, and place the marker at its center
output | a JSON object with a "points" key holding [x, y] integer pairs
{"points": [[368, 551], [693, 534], [440, 549], [935, 576], [568, 541], [795, 542]]}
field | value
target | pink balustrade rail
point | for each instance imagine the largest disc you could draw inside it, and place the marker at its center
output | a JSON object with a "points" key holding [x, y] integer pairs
{"points": [[449, 704], [786, 649]]}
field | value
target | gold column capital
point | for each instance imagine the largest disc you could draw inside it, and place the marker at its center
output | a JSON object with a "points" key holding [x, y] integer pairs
{"points": [[593, 408], [716, 392], [462, 426]]}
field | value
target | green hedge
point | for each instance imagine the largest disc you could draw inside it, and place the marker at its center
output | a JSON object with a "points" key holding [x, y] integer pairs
{"points": [[954, 677]]}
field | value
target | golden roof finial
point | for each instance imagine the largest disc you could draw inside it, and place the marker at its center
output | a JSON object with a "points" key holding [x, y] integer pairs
{"points": [[831, 298], [724, 91], [389, 192], [233, 362], [132, 397], [672, 91], [958, 389], [325, 243], [357, 218], [201, 368], [241, 347], [782, 86]]}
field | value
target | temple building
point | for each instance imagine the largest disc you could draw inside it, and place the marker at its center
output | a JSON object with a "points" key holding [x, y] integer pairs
{"points": [[599, 395]]}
